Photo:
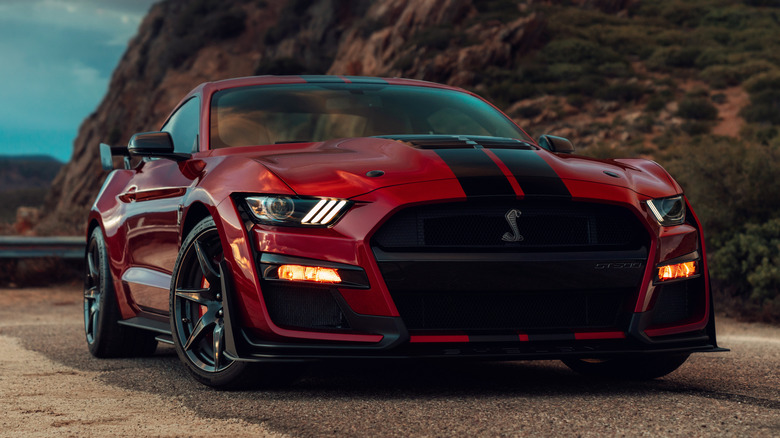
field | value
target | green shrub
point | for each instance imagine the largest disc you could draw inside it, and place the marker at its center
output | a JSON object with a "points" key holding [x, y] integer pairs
{"points": [[710, 57], [621, 92], [675, 56], [750, 261], [697, 108], [696, 127], [733, 18], [727, 180], [767, 81], [578, 51], [656, 103], [764, 107], [565, 72]]}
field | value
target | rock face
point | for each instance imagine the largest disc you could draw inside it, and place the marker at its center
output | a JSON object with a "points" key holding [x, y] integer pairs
{"points": [[183, 43]]}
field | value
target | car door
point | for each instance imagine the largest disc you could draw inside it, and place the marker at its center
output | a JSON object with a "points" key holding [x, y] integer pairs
{"points": [[152, 203]]}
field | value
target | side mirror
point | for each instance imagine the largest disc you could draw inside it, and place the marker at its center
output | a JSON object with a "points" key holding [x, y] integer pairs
{"points": [[107, 154], [155, 145], [555, 144]]}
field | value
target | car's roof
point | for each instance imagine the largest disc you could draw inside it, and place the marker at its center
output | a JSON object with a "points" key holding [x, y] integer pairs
{"points": [[210, 87]]}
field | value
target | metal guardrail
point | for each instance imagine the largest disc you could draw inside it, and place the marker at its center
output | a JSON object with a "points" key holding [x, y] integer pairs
{"points": [[17, 247]]}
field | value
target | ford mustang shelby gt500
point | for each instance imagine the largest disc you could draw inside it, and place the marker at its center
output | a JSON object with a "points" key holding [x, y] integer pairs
{"points": [[289, 219]]}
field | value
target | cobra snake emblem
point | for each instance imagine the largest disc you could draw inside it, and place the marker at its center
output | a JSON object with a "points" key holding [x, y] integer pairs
{"points": [[514, 236]]}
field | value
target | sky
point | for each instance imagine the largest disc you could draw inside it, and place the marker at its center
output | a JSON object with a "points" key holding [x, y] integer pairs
{"points": [[56, 59]]}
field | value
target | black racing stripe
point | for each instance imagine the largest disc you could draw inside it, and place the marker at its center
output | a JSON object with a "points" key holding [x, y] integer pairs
{"points": [[534, 175], [322, 79], [477, 173]]}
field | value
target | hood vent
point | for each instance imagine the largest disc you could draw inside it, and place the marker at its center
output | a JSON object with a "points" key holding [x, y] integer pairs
{"points": [[459, 142]]}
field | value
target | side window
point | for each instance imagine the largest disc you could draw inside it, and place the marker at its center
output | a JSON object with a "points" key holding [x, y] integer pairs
{"points": [[183, 126]]}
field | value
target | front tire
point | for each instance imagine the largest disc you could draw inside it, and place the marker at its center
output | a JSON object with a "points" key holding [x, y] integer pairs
{"points": [[105, 337], [198, 322], [629, 367]]}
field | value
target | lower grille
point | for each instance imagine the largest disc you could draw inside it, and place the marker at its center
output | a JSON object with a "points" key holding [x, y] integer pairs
{"points": [[553, 310], [303, 307], [677, 302]]}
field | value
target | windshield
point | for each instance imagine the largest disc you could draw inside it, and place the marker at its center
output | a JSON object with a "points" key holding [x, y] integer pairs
{"points": [[317, 112]]}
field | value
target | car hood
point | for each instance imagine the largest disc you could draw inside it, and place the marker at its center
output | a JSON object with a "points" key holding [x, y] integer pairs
{"points": [[346, 168]]}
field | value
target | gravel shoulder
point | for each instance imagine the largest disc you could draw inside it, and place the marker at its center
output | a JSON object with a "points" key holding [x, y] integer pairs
{"points": [[51, 386]]}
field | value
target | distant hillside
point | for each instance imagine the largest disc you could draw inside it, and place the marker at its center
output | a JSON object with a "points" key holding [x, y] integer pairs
{"points": [[27, 171], [24, 181]]}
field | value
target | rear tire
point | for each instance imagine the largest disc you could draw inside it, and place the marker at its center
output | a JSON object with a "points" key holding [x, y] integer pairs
{"points": [[105, 337], [643, 367], [197, 319]]}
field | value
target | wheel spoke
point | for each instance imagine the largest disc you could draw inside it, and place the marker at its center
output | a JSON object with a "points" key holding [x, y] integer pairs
{"points": [[91, 265], [91, 293], [205, 266], [200, 296], [218, 345], [93, 312], [199, 330]]}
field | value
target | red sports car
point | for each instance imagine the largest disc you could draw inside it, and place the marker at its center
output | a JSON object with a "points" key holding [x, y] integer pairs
{"points": [[283, 219]]}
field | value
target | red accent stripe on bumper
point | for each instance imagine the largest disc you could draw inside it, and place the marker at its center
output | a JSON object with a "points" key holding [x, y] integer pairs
{"points": [[599, 335]]}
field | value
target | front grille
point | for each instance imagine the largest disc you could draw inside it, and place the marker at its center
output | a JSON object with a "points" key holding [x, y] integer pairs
{"points": [[572, 265], [303, 307], [541, 226], [555, 310]]}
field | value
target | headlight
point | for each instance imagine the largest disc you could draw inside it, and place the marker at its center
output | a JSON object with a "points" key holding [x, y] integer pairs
{"points": [[668, 211], [285, 210]]}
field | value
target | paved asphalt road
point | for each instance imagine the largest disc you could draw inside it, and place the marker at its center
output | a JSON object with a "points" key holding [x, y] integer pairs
{"points": [[50, 385]]}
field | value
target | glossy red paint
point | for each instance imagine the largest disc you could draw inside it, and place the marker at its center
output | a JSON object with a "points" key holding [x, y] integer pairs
{"points": [[143, 213]]}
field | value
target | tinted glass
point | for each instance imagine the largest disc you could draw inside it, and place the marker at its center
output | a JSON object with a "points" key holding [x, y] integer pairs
{"points": [[183, 126], [317, 112]]}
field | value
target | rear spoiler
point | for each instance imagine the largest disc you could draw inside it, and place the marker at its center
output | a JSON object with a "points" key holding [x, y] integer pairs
{"points": [[107, 154]]}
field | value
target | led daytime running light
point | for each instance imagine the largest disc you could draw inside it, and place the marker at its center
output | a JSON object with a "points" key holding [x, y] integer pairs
{"points": [[323, 212]]}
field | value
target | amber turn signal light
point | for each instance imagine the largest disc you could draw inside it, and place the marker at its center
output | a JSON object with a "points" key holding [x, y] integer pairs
{"points": [[316, 274], [677, 271]]}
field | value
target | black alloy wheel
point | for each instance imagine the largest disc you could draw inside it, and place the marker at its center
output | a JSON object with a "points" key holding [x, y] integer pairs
{"points": [[92, 291], [198, 319], [105, 336], [196, 306]]}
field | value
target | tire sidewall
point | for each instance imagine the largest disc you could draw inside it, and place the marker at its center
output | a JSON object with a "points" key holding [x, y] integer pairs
{"points": [[234, 372], [106, 302]]}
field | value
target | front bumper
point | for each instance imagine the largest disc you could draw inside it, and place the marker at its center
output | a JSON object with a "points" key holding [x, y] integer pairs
{"points": [[367, 323]]}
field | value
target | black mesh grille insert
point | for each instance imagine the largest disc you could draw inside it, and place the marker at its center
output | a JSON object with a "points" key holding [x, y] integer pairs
{"points": [[569, 310], [303, 307], [541, 225], [676, 302]]}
